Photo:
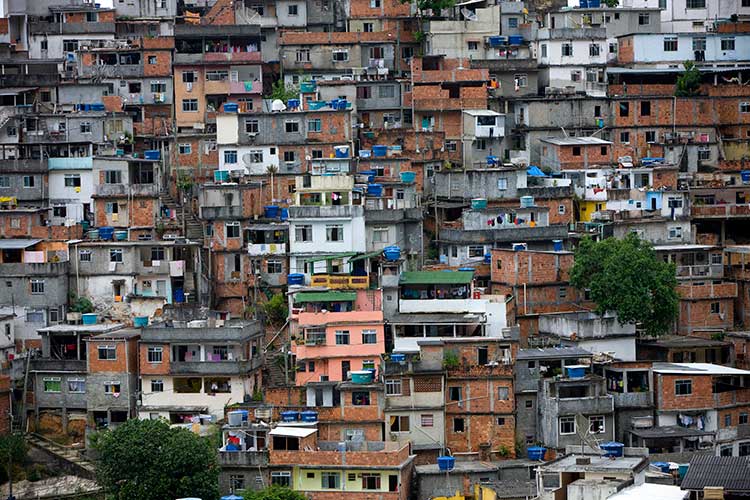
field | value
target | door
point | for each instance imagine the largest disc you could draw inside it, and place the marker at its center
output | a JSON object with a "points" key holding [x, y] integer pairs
{"points": [[346, 367], [392, 482]]}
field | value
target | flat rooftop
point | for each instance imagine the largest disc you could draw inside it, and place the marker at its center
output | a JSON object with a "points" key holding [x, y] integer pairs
{"points": [[597, 464], [697, 369], [576, 141], [96, 329], [553, 353]]}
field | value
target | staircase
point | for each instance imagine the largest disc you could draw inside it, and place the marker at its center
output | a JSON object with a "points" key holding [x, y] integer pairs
{"points": [[193, 227], [63, 453], [273, 370]]}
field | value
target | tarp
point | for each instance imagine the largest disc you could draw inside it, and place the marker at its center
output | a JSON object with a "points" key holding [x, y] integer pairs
{"points": [[534, 171]]}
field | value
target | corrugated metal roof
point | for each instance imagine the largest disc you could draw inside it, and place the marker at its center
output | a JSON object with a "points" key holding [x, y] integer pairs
{"points": [[332, 296], [16, 243], [436, 277], [730, 473], [553, 352]]}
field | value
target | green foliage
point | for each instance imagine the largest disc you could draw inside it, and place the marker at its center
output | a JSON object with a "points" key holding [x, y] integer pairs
{"points": [[503, 451], [273, 492], [276, 309], [689, 82], [450, 360], [434, 5], [148, 460], [283, 92], [625, 276], [717, 336], [185, 182], [611, 3], [80, 304], [15, 446]]}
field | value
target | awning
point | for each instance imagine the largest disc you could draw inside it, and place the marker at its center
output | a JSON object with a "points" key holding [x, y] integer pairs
{"points": [[436, 277], [332, 296], [298, 432], [364, 256], [534, 171], [330, 257], [16, 90], [17, 243]]}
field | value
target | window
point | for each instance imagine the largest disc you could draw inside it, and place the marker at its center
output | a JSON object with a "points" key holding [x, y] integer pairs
{"points": [[303, 233], [742, 419], [291, 126], [361, 398], [544, 50], [520, 80], [256, 156], [567, 425], [29, 181], [473, 45], [625, 137], [399, 423], [72, 180], [727, 43], [70, 45], [112, 387], [329, 480], [112, 177], [376, 52], [715, 308], [699, 43], [454, 393], [512, 22], [745, 107], [575, 76], [369, 337], [115, 254], [189, 77], [529, 403], [644, 19], [154, 354], [695, 4], [44, 45], [728, 420], [562, 292], [725, 451], [503, 393], [426, 420], [251, 126], [393, 387], [334, 232], [576, 150], [34, 316], [596, 424], [292, 10], [236, 482], [567, 49], [233, 229], [52, 384], [230, 156], [281, 478], [386, 91], [683, 387], [84, 255], [303, 55], [458, 425], [152, 60], [561, 209], [107, 352], [370, 481], [157, 386], [500, 421], [185, 149], [289, 156], [645, 108], [704, 154], [380, 235], [624, 109], [650, 136], [342, 337], [76, 385], [670, 44], [158, 87], [476, 251], [4, 181], [594, 49], [37, 286], [314, 125], [274, 267], [190, 105]]}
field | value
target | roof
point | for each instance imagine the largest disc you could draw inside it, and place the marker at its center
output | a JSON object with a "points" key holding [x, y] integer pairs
{"points": [[597, 464], [459, 467], [668, 431], [435, 318], [651, 491], [332, 296], [686, 341], [16, 90], [697, 369], [17, 244], [702, 69], [553, 352], [124, 334], [96, 329], [731, 473], [682, 248], [335, 256], [575, 141], [299, 432], [482, 112], [436, 277]]}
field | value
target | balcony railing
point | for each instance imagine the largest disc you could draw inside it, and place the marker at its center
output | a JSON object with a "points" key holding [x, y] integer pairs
{"points": [[334, 281], [149, 190], [243, 458], [720, 211], [702, 271], [215, 367]]}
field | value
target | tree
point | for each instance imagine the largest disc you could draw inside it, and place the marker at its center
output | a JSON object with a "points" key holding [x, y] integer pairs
{"points": [[148, 460], [689, 82], [433, 5], [273, 492], [276, 309], [12, 446], [279, 90], [624, 275], [611, 3]]}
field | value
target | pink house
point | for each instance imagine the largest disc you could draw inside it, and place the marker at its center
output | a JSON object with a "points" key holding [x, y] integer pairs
{"points": [[329, 345]]}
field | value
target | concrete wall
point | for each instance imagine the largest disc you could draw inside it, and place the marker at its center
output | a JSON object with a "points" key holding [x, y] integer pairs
{"points": [[168, 398]]}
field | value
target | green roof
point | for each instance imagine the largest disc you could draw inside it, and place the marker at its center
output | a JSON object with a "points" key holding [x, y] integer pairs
{"points": [[364, 256], [436, 277], [330, 257], [325, 297]]}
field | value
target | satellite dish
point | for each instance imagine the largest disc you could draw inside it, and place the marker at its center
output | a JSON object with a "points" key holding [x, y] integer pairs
{"points": [[278, 105], [583, 430]]}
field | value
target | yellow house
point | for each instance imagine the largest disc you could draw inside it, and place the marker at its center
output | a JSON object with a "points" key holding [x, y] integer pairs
{"points": [[480, 493], [586, 208]]}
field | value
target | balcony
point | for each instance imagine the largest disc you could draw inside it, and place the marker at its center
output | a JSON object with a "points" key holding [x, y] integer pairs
{"points": [[334, 281], [266, 248], [232, 57], [215, 367], [385, 216], [633, 399], [117, 190], [243, 458], [40, 27], [510, 234], [58, 365], [702, 271], [328, 211], [724, 290], [720, 211], [112, 70], [233, 212], [249, 87], [731, 398]]}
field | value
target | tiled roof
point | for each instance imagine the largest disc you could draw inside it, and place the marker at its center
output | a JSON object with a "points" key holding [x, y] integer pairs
{"points": [[730, 473]]}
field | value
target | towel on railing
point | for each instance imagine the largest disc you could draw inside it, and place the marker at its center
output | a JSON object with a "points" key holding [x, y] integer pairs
{"points": [[248, 86]]}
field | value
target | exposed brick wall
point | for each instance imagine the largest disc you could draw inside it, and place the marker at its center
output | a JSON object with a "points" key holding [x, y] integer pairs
{"points": [[147, 368], [119, 364], [666, 399]]}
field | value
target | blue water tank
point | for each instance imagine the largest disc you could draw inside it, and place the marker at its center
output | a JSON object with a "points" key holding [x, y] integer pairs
{"points": [[515, 39], [309, 416], [446, 463], [745, 176], [662, 466], [284, 215], [374, 190], [230, 107], [293, 103], [392, 253], [398, 357], [496, 41], [289, 416], [575, 371], [487, 258], [612, 449], [152, 154], [271, 211], [408, 177], [536, 452], [557, 245], [106, 232], [140, 321], [379, 150], [341, 151], [179, 295], [296, 279]]}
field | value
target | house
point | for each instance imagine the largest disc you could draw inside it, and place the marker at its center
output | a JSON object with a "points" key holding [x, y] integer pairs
{"points": [[722, 477], [591, 332]]}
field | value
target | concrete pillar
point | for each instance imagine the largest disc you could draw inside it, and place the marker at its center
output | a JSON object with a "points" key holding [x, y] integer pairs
{"points": [[64, 418]]}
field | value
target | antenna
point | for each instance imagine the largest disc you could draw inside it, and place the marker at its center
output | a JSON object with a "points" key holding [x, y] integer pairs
{"points": [[583, 430]]}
